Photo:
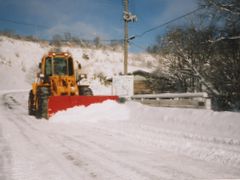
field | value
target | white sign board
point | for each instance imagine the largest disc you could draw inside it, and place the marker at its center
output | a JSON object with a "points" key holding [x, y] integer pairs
{"points": [[123, 85]]}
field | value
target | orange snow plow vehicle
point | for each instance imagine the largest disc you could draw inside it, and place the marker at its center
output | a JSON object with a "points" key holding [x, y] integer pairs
{"points": [[57, 87]]}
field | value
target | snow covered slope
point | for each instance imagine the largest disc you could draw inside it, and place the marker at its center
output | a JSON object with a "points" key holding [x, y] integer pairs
{"points": [[19, 60]]}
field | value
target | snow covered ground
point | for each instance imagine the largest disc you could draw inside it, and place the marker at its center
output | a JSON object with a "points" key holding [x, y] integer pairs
{"points": [[117, 141], [107, 141]]}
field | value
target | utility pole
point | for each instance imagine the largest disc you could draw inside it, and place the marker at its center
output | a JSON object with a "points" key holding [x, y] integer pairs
{"points": [[125, 37], [127, 17]]}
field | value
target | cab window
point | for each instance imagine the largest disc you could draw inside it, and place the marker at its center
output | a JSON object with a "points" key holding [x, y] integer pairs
{"points": [[48, 68], [70, 66], [60, 66]]}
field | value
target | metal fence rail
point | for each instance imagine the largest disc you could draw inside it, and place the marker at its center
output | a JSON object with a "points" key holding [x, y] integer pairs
{"points": [[188, 100]]}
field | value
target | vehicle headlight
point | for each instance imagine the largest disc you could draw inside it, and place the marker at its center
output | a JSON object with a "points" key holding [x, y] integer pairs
{"points": [[73, 88]]}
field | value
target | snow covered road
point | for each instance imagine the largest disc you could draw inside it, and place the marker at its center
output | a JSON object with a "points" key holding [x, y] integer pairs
{"points": [[141, 142]]}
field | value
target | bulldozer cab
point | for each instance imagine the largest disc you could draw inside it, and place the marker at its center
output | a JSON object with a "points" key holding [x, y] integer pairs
{"points": [[57, 65]]}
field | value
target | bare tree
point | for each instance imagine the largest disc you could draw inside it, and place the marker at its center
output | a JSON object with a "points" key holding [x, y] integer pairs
{"points": [[207, 56], [97, 42]]}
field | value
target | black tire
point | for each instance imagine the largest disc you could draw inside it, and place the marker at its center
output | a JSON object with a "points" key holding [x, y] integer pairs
{"points": [[85, 91], [31, 107], [42, 102]]}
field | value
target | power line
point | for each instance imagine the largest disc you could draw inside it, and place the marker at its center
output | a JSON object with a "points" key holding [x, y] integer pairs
{"points": [[159, 26], [166, 23], [46, 27], [23, 23], [108, 40], [138, 46]]}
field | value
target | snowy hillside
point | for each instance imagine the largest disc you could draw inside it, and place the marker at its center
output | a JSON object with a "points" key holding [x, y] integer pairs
{"points": [[19, 59]]}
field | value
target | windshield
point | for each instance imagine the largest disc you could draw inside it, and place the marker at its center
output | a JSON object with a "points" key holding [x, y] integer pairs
{"points": [[60, 66]]}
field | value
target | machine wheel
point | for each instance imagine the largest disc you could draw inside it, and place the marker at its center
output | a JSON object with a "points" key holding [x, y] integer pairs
{"points": [[42, 102], [85, 91], [31, 108]]}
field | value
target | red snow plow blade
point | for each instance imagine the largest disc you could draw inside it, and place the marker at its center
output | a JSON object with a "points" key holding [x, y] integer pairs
{"points": [[58, 103]]}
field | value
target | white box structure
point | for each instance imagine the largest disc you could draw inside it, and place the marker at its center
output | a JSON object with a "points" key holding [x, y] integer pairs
{"points": [[123, 85]]}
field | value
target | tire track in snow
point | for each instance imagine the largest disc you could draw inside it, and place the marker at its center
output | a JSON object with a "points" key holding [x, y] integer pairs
{"points": [[22, 126], [199, 151], [99, 153], [132, 171], [5, 157], [33, 142], [104, 143], [180, 142]]}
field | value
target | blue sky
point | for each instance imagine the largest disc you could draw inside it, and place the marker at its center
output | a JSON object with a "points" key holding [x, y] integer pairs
{"points": [[90, 18]]}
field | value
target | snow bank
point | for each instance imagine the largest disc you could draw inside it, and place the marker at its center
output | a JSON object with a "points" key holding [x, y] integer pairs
{"points": [[205, 122], [213, 126], [108, 110], [201, 134]]}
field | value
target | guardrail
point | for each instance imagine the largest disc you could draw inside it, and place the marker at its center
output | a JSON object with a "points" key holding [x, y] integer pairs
{"points": [[187, 100]]}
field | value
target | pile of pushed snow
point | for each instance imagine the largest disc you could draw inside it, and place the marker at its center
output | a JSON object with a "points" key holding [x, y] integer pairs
{"points": [[200, 134], [201, 121], [107, 110]]}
